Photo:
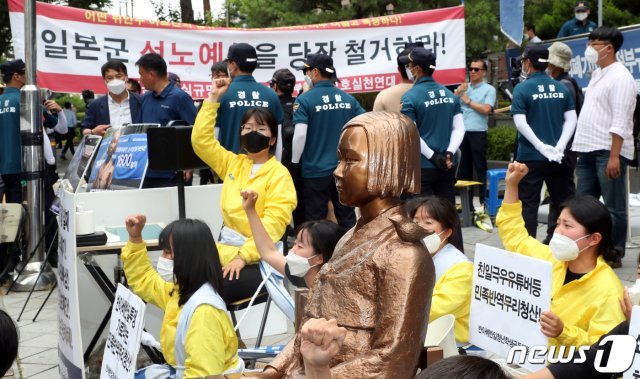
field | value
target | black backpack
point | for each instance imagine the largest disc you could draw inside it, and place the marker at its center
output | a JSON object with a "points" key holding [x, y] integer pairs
{"points": [[578, 91]]}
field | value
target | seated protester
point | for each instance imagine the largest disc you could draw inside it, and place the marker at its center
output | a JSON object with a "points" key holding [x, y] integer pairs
{"points": [[197, 337], [454, 272], [314, 245], [8, 342], [463, 367], [257, 170], [585, 291], [570, 370]]}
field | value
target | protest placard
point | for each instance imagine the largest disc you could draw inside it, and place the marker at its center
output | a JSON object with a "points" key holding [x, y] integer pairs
{"points": [[125, 332], [71, 362], [509, 293]]}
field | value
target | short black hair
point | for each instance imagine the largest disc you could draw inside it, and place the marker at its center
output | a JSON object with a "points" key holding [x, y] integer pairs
{"points": [[464, 366], [195, 256], [135, 86], [248, 67], [67, 105], [8, 342], [530, 27], [262, 116], [324, 236], [609, 34], [113, 65], [153, 62], [484, 62], [219, 67]]}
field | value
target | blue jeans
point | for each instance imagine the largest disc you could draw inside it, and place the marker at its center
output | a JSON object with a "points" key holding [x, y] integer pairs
{"points": [[592, 180]]}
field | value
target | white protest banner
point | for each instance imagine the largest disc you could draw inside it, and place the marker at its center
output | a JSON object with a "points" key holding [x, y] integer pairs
{"points": [[74, 43], [71, 362], [125, 332], [510, 291]]}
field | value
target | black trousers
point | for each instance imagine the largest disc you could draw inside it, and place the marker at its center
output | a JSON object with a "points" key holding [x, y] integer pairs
{"points": [[317, 193], [13, 187], [559, 180], [243, 287], [299, 212], [570, 160], [474, 157], [69, 144], [437, 182]]}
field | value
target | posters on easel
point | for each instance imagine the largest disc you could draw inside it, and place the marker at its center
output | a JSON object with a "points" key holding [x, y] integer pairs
{"points": [[125, 333], [122, 159], [81, 160], [71, 361]]}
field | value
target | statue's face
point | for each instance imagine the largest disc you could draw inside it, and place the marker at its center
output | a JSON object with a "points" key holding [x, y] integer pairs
{"points": [[352, 172]]}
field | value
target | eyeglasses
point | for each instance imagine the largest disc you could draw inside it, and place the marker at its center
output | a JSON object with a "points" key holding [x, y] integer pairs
{"points": [[218, 75], [272, 83], [254, 127], [475, 69]]}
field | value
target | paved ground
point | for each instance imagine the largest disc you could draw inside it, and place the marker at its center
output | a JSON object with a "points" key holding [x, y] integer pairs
{"points": [[38, 356]]}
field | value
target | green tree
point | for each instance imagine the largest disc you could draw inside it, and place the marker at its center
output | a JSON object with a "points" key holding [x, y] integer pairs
{"points": [[6, 49], [549, 15]]}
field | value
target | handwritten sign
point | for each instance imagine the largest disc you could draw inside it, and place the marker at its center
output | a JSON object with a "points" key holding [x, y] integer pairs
{"points": [[125, 332]]}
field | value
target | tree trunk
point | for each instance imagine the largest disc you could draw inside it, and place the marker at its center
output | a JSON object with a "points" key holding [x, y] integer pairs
{"points": [[186, 11], [206, 6]]}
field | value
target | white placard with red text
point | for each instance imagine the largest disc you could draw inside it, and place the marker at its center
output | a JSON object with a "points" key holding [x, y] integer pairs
{"points": [[73, 43]]}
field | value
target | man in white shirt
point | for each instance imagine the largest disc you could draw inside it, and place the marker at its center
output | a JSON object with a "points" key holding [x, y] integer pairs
{"points": [[604, 135], [119, 107]]}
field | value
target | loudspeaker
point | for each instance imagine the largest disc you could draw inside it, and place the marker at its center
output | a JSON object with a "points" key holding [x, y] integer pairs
{"points": [[170, 149]]}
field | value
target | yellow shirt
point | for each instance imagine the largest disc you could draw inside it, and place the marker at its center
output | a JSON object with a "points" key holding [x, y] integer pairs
{"points": [[452, 295], [211, 344], [277, 196], [589, 306]]}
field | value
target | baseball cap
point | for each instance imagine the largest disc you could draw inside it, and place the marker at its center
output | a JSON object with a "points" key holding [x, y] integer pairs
{"points": [[284, 78], [536, 53], [242, 53], [173, 77], [419, 56], [582, 6], [11, 67], [560, 55], [320, 61]]}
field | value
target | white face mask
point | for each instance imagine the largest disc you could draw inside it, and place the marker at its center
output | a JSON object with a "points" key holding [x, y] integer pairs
{"points": [[298, 266], [592, 55], [433, 242], [409, 74], [581, 16], [549, 72], [116, 86], [309, 81], [165, 269], [564, 248]]}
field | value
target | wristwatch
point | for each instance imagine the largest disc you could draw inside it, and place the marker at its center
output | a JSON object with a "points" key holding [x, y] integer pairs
{"points": [[468, 102]]}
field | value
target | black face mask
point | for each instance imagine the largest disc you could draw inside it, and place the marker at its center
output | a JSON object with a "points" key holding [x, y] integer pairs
{"points": [[295, 280], [254, 142]]}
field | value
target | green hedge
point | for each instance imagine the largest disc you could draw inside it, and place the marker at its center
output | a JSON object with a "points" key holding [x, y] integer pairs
{"points": [[501, 143]]}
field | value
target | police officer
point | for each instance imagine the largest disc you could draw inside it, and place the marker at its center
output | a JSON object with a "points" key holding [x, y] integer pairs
{"points": [[243, 93], [283, 82], [438, 116], [319, 115], [544, 114]]}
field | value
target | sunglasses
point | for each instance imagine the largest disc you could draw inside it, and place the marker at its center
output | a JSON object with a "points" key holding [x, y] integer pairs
{"points": [[475, 69]]}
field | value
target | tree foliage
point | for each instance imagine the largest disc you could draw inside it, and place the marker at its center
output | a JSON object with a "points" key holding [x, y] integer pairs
{"points": [[549, 15], [6, 49]]}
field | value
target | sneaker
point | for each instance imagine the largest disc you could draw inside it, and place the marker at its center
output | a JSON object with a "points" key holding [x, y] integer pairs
{"points": [[482, 220]]}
